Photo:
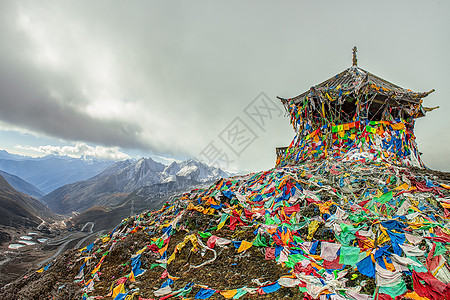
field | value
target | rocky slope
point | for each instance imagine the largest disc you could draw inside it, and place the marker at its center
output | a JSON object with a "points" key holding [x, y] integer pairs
{"points": [[18, 209], [327, 229], [21, 185]]}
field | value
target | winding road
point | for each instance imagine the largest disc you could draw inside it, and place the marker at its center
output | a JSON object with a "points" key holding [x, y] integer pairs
{"points": [[87, 224], [63, 242]]}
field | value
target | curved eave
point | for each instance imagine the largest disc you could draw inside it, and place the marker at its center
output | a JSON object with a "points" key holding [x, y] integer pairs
{"points": [[356, 79]]}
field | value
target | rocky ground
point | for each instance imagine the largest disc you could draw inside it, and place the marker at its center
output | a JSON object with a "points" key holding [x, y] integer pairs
{"points": [[15, 263]]}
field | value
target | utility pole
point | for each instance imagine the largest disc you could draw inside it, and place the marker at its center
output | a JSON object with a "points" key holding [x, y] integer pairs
{"points": [[132, 207]]}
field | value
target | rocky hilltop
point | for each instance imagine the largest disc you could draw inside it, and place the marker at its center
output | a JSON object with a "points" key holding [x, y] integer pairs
{"points": [[327, 229]]}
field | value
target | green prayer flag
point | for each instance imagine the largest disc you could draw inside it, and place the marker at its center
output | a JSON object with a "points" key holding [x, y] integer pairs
{"points": [[211, 229], [223, 219], [184, 292], [384, 198], [394, 291], [298, 239], [259, 241], [302, 289], [440, 249], [294, 259], [349, 255], [160, 243], [278, 204], [347, 235], [421, 269], [269, 221], [157, 265], [240, 292], [204, 234]]}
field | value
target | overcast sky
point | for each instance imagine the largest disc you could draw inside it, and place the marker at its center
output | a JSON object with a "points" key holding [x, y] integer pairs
{"points": [[173, 78]]}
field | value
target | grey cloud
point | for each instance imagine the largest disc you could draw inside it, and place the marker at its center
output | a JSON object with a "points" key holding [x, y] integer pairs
{"points": [[79, 150], [24, 101], [49, 101]]}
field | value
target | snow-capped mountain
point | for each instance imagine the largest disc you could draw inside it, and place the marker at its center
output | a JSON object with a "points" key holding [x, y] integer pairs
{"points": [[193, 170], [128, 175], [111, 186]]}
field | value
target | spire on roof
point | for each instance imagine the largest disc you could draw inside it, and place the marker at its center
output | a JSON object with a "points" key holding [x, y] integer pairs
{"points": [[355, 60]]}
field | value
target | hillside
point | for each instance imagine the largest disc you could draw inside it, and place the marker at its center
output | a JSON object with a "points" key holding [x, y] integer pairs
{"points": [[18, 209], [145, 198], [110, 187], [21, 185], [328, 229]]}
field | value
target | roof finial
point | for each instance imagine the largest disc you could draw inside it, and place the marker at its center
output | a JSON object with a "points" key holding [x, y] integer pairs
{"points": [[355, 60]]}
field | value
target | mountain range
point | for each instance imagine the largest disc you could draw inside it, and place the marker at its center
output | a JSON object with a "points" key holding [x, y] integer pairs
{"points": [[6, 155], [106, 193], [111, 187], [50, 172]]}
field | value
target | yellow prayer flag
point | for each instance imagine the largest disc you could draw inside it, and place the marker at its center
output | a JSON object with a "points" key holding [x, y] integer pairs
{"points": [[244, 246], [163, 249], [413, 295], [398, 126], [404, 186], [142, 250], [96, 268], [414, 225], [316, 257], [120, 289], [445, 186], [172, 277], [172, 257], [228, 294], [221, 224], [131, 277], [384, 237], [88, 282], [312, 228]]}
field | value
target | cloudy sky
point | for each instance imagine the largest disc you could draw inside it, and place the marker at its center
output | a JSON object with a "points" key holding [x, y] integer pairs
{"points": [[117, 79]]}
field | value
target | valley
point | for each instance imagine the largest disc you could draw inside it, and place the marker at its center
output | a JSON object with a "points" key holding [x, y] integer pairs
{"points": [[35, 230]]}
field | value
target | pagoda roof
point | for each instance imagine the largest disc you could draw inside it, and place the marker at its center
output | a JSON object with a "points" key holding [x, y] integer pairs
{"points": [[359, 81]]}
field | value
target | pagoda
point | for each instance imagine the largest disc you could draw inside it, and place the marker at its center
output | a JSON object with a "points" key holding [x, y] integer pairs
{"points": [[351, 116]]}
